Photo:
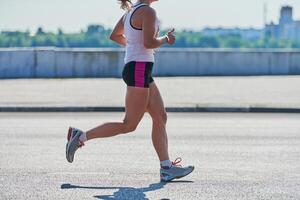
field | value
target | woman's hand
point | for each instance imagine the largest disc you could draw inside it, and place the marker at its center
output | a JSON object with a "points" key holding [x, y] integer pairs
{"points": [[171, 37]]}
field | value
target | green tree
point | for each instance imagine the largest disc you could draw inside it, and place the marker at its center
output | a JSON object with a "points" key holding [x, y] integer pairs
{"points": [[98, 36]]}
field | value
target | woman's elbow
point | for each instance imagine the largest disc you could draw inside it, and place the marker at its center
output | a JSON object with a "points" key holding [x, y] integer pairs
{"points": [[112, 37]]}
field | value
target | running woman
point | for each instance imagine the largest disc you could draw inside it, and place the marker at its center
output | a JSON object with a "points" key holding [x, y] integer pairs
{"points": [[138, 31]]}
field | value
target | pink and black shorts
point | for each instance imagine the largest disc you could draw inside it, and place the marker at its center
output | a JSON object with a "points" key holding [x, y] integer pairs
{"points": [[138, 74]]}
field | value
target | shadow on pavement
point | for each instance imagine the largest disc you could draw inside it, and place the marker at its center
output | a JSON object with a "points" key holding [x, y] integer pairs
{"points": [[124, 192]]}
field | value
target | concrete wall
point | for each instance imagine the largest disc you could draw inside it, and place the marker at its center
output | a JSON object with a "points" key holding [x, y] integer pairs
{"points": [[56, 62]]}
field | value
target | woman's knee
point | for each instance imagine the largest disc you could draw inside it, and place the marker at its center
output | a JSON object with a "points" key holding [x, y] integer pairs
{"points": [[160, 118], [129, 126]]}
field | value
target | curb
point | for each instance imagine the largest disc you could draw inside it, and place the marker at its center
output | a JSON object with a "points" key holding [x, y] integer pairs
{"points": [[168, 109]]}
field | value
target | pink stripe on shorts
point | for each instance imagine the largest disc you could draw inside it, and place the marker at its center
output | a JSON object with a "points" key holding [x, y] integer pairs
{"points": [[139, 74]]}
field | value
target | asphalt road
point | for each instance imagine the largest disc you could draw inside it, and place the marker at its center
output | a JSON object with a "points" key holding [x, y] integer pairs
{"points": [[236, 156]]}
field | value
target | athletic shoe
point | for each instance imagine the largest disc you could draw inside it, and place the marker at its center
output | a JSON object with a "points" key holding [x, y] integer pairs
{"points": [[175, 171], [73, 143]]}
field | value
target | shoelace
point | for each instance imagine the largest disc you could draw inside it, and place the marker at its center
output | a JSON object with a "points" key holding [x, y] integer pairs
{"points": [[176, 161], [80, 144]]}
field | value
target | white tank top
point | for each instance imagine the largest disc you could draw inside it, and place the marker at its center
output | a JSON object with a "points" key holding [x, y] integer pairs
{"points": [[135, 50]]}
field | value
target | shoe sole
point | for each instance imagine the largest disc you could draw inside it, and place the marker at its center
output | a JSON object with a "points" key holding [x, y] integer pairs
{"points": [[178, 177], [67, 145]]}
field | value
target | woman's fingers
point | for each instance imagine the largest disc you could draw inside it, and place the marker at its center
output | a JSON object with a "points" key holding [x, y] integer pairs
{"points": [[172, 39], [171, 31], [171, 36]]}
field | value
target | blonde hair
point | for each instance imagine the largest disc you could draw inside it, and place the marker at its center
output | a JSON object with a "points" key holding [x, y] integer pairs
{"points": [[125, 4]]}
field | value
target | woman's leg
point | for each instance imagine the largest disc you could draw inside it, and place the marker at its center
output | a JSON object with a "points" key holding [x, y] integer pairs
{"points": [[159, 118], [135, 107]]}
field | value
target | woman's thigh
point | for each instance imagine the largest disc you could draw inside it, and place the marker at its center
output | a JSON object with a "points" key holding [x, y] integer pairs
{"points": [[135, 104]]}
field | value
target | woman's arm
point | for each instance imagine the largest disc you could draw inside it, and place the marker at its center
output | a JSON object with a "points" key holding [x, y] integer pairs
{"points": [[151, 41], [117, 34]]}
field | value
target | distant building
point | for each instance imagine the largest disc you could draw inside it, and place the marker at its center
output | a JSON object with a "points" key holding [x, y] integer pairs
{"points": [[287, 28], [249, 34]]}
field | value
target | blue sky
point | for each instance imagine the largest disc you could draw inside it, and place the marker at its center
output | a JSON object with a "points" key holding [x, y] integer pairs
{"points": [[74, 15]]}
